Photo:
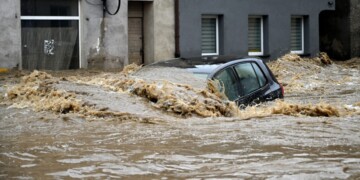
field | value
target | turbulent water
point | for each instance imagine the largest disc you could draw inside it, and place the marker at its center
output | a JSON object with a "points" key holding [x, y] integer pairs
{"points": [[154, 125]]}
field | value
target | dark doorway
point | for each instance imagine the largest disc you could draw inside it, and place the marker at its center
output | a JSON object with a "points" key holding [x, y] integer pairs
{"points": [[335, 31]]}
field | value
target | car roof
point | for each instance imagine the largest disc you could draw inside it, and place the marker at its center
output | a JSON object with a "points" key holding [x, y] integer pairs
{"points": [[204, 64]]}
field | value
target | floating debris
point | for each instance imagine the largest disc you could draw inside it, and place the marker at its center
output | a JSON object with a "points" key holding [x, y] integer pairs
{"points": [[302, 75], [320, 109], [35, 90], [298, 75]]}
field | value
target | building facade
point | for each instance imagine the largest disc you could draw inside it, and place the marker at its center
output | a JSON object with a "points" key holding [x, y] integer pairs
{"points": [[263, 28], [72, 34]]}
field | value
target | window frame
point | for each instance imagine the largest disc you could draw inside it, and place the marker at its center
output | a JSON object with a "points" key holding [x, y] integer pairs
{"points": [[261, 53], [216, 17], [75, 18], [50, 18], [302, 51]]}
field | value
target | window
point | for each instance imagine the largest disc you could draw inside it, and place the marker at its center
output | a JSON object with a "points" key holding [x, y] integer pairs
{"points": [[256, 36], [210, 35], [297, 34], [227, 79], [250, 81], [49, 8], [260, 75], [50, 34]]}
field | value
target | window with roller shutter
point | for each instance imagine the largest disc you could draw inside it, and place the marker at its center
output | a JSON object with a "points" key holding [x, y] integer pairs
{"points": [[297, 35], [209, 35], [255, 36]]}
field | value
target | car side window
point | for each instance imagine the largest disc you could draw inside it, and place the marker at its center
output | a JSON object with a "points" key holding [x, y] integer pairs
{"points": [[248, 78], [227, 81], [260, 75]]}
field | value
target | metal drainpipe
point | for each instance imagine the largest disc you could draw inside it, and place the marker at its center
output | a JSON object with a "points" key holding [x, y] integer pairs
{"points": [[177, 35]]}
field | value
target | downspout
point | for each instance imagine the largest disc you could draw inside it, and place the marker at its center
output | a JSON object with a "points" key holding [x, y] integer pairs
{"points": [[177, 35]]}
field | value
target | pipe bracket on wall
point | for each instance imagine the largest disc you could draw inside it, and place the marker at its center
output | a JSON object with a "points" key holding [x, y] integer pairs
{"points": [[331, 3]]}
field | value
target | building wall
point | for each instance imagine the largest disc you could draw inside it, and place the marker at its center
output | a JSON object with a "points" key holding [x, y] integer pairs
{"points": [[104, 38], [159, 30], [104, 41], [10, 36], [355, 28], [164, 30], [234, 29], [149, 31]]}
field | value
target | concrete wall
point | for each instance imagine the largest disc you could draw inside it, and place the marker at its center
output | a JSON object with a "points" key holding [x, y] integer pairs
{"points": [[234, 19], [164, 29], [104, 37], [104, 40], [10, 36], [159, 30], [149, 31]]}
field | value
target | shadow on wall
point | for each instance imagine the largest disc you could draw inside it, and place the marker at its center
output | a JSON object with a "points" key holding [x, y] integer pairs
{"points": [[335, 31]]}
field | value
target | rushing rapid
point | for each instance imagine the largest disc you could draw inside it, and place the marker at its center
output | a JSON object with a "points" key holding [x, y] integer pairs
{"points": [[152, 124]]}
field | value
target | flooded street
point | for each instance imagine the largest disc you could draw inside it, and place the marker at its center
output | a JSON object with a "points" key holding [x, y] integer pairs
{"points": [[100, 125]]}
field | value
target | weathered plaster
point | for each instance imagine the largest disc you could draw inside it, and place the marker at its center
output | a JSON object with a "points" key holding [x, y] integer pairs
{"points": [[10, 39]]}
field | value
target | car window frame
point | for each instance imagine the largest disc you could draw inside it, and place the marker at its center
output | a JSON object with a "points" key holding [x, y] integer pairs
{"points": [[263, 73], [240, 81], [262, 66]]}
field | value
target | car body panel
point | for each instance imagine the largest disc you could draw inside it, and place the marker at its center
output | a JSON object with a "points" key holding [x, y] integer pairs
{"points": [[211, 66], [270, 91]]}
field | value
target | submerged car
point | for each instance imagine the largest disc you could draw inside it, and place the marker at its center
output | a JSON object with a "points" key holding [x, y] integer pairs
{"points": [[246, 81]]}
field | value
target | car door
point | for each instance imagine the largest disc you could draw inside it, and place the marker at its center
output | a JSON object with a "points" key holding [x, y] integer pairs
{"points": [[252, 81]]}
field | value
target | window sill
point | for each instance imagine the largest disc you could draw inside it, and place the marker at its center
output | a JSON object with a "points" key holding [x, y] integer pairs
{"points": [[209, 54], [263, 55]]}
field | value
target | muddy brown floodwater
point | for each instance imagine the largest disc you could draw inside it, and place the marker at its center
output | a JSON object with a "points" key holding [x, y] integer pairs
{"points": [[147, 123]]}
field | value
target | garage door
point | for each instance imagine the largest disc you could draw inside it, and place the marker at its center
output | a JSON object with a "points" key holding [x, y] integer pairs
{"points": [[135, 32]]}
